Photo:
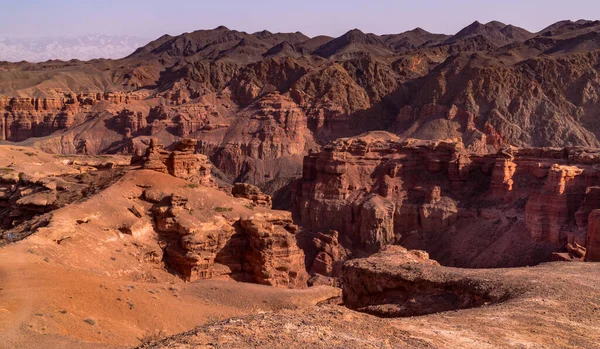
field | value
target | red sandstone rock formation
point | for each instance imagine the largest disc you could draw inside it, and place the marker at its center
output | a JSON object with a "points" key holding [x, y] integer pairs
{"points": [[258, 105], [273, 253], [330, 254], [593, 237], [502, 177], [24, 117], [398, 282], [250, 192], [265, 141], [377, 190], [372, 188], [197, 245], [548, 210], [183, 162]]}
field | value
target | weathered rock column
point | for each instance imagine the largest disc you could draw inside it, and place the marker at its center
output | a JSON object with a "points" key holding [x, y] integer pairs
{"points": [[593, 237]]}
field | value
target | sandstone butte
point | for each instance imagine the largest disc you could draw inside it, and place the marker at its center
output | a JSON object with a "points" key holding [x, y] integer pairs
{"points": [[223, 189]]}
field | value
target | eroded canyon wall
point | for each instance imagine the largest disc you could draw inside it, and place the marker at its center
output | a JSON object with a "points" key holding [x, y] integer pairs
{"points": [[378, 189]]}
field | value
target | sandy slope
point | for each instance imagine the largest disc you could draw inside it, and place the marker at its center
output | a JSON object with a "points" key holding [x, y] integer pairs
{"points": [[42, 302], [80, 282]]}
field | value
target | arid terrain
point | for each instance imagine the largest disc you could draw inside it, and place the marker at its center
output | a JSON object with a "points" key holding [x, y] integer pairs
{"points": [[220, 189]]}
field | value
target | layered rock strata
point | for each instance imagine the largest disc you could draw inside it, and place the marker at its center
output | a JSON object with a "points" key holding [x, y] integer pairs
{"points": [[378, 190], [260, 248], [252, 193], [329, 255], [593, 237], [182, 163], [24, 117]]}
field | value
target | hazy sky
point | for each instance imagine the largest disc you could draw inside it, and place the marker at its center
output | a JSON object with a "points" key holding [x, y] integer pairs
{"points": [[152, 18]]}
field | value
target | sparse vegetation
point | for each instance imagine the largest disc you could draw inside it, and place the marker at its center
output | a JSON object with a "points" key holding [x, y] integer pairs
{"points": [[30, 154], [6, 170], [223, 209], [152, 336], [193, 185]]}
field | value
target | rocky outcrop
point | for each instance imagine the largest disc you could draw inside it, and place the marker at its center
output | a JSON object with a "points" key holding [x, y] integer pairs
{"points": [[182, 163], [265, 141], [22, 117], [575, 252], [261, 248], [548, 209], [590, 203], [502, 178], [593, 237], [373, 188], [34, 184], [401, 283], [329, 255], [273, 253], [253, 193]]}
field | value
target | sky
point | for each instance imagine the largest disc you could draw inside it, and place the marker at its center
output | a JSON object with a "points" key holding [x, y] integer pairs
{"points": [[153, 18]]}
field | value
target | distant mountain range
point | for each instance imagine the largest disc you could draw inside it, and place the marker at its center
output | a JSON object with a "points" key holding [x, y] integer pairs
{"points": [[66, 48], [491, 85]]}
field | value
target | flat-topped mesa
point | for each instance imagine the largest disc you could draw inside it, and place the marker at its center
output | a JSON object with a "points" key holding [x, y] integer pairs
{"points": [[183, 162], [376, 188]]}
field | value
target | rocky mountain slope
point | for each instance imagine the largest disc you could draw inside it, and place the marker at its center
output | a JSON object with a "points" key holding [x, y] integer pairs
{"points": [[259, 102]]}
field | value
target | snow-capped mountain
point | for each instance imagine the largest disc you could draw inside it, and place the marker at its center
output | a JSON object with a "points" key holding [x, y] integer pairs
{"points": [[66, 48]]}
